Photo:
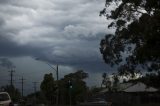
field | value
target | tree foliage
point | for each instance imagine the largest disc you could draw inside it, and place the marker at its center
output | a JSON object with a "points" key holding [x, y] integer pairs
{"points": [[48, 87], [106, 81], [151, 79], [78, 90], [137, 37], [111, 82]]}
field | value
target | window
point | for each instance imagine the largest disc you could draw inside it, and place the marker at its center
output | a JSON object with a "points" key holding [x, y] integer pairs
{"points": [[4, 97]]}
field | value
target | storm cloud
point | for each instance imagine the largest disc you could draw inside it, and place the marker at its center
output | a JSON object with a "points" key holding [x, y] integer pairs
{"points": [[65, 32]]}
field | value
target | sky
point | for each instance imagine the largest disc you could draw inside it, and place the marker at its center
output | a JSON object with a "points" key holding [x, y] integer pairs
{"points": [[63, 32]]}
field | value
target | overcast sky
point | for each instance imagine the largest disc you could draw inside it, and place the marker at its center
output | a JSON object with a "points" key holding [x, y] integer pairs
{"points": [[64, 32]]}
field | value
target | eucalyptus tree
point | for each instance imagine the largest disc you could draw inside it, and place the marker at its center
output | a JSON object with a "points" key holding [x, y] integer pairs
{"points": [[136, 41]]}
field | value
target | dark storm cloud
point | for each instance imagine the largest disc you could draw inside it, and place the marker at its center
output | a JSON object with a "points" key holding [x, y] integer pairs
{"points": [[4, 1], [4, 62], [1, 22], [66, 32]]}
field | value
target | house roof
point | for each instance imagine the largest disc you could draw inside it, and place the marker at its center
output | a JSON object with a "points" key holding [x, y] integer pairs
{"points": [[104, 90], [140, 87], [131, 87], [121, 87]]}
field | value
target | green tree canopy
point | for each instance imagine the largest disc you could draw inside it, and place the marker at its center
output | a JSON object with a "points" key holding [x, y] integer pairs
{"points": [[136, 41], [78, 90], [48, 87]]}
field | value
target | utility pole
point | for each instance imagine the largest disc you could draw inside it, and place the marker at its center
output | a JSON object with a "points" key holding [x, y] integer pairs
{"points": [[35, 86], [57, 75], [35, 90], [11, 77], [57, 87], [11, 81], [70, 92], [22, 82]]}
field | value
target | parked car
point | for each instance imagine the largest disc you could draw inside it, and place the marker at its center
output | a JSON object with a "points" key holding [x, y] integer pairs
{"points": [[5, 99]]}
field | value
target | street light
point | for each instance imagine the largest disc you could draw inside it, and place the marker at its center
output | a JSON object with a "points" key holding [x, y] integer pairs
{"points": [[55, 69], [57, 75]]}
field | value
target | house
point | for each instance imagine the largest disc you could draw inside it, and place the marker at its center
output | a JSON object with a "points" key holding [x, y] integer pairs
{"points": [[140, 93], [140, 87], [132, 93]]}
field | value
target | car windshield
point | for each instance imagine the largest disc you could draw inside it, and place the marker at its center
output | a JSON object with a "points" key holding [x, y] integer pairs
{"points": [[4, 97]]}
